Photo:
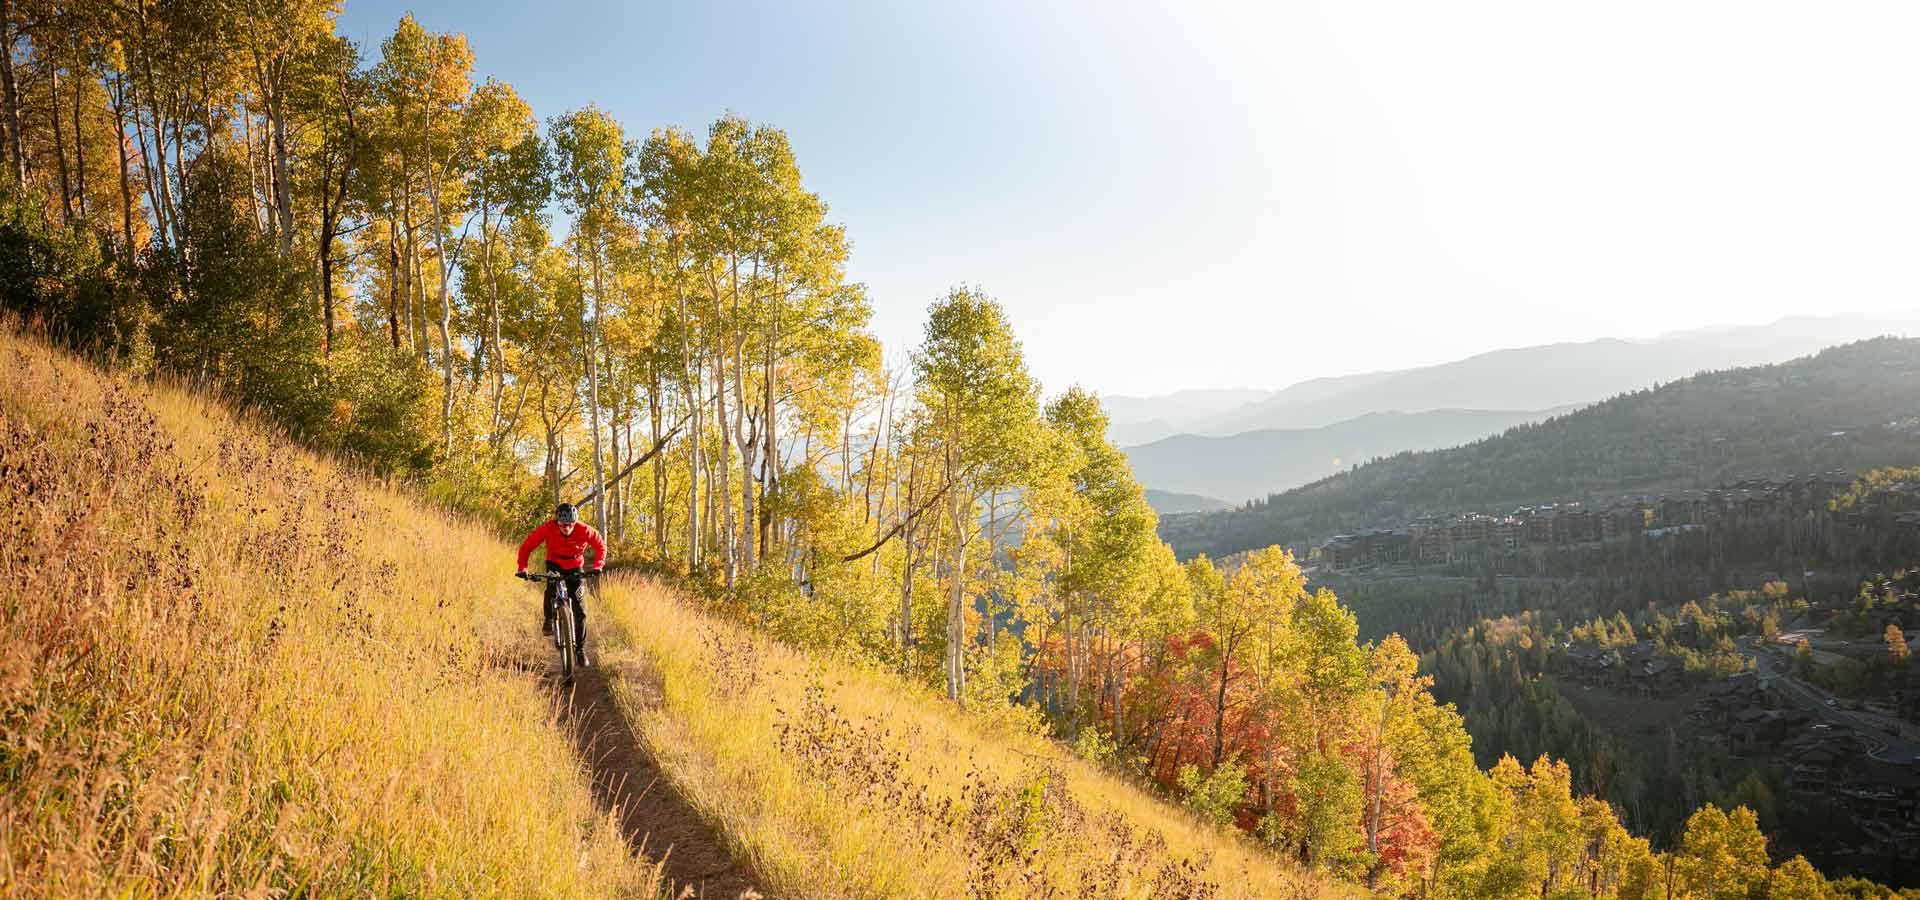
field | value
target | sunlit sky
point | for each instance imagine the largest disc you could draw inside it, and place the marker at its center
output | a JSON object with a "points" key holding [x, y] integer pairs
{"points": [[1185, 195]]}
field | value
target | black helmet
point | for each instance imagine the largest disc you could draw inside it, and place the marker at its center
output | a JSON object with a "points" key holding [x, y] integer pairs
{"points": [[565, 515]]}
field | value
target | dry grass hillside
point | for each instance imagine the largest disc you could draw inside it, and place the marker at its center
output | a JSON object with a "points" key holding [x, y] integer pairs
{"points": [[234, 668], [832, 781]]}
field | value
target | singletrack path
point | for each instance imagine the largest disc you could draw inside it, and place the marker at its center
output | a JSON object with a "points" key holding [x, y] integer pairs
{"points": [[657, 821]]}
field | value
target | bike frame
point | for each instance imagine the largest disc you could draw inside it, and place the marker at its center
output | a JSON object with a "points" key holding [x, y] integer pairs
{"points": [[565, 638]]}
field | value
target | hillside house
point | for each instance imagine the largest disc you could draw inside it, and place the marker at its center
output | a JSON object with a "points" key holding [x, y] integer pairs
{"points": [[1820, 760], [1373, 547], [1885, 798], [1758, 731], [1727, 697], [1586, 663], [1536, 524], [1683, 508], [1652, 673]]}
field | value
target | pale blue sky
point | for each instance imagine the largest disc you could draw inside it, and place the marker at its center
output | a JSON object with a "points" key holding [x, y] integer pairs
{"points": [[1204, 195]]}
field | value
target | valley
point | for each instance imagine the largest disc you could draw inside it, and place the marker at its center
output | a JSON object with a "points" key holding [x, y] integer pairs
{"points": [[1624, 586]]}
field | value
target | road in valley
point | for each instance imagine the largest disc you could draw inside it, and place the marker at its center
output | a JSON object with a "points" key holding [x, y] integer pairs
{"points": [[1889, 739]]}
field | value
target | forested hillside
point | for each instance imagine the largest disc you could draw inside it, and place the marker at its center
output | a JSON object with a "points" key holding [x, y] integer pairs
{"points": [[1854, 408], [357, 243], [1659, 707]]}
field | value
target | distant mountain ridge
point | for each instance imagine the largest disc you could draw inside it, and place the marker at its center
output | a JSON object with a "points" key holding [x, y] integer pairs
{"points": [[1148, 418], [1853, 407], [1524, 378], [1171, 503], [1257, 463]]}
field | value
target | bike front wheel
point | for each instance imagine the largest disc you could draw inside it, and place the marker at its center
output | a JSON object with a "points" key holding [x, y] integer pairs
{"points": [[564, 639]]}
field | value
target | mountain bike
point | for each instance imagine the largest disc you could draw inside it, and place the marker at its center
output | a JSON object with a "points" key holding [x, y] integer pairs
{"points": [[566, 637]]}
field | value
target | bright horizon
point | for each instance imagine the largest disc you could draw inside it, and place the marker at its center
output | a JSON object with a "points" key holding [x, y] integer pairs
{"points": [[1251, 197]]}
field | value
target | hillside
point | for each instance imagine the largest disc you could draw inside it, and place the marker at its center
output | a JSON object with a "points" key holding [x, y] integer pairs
{"points": [[329, 689], [1257, 463], [836, 781], [232, 668], [1852, 407], [1543, 681]]}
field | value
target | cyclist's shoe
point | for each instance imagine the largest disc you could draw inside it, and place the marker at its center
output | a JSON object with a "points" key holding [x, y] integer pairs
{"points": [[546, 626], [580, 657]]}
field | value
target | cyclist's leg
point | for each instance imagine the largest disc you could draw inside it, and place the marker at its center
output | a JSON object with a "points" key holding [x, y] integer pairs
{"points": [[575, 594], [549, 601]]}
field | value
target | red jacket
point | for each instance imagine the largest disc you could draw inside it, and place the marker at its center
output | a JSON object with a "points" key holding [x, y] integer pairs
{"points": [[563, 550]]}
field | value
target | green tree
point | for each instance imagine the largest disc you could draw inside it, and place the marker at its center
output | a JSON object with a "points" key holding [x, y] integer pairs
{"points": [[1113, 575], [286, 42], [501, 146], [1722, 855], [1796, 879], [980, 420], [1320, 831], [1215, 796], [424, 80], [592, 179]]}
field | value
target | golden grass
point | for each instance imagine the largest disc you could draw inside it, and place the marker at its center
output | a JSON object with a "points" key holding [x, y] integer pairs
{"points": [[833, 781], [233, 668]]}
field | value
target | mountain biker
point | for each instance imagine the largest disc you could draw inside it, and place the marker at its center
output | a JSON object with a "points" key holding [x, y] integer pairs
{"points": [[566, 538]]}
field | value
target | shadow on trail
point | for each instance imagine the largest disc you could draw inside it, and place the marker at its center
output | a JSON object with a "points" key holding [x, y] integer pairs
{"points": [[655, 819]]}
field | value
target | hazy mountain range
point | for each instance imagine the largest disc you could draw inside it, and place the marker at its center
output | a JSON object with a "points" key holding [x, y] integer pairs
{"points": [[1254, 464], [1850, 408], [1239, 444], [1525, 378], [1171, 502]]}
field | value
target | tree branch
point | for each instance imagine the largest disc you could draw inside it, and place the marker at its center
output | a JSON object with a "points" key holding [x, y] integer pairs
{"points": [[902, 524], [657, 447]]}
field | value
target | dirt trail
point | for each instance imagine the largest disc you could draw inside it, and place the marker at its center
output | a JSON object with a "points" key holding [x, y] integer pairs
{"points": [[655, 818]]}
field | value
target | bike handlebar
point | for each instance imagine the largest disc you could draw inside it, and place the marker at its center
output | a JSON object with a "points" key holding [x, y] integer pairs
{"points": [[556, 576]]}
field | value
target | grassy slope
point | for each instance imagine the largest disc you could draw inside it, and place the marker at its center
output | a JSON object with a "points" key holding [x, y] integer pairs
{"points": [[273, 675], [231, 666], [834, 781]]}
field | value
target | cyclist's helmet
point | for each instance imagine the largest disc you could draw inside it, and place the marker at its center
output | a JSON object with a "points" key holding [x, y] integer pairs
{"points": [[565, 515]]}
